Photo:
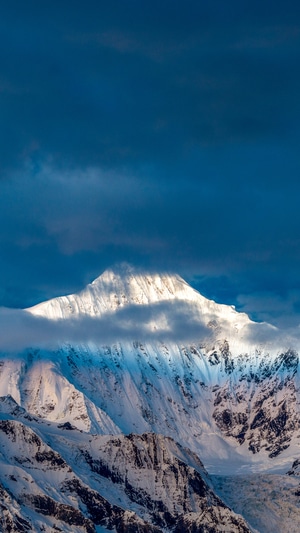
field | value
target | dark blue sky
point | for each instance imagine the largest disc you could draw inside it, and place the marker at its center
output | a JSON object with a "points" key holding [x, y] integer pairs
{"points": [[160, 133]]}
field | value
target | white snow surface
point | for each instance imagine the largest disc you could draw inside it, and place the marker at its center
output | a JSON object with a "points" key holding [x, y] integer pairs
{"points": [[268, 502]]}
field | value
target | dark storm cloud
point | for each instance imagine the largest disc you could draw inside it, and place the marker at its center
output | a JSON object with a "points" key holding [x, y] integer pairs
{"points": [[162, 133], [162, 322], [131, 82]]}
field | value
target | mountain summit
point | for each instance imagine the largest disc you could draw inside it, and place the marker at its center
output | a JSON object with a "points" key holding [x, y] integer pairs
{"points": [[120, 286], [163, 306]]}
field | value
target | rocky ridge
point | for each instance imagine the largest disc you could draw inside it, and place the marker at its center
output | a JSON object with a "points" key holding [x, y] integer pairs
{"points": [[154, 480]]}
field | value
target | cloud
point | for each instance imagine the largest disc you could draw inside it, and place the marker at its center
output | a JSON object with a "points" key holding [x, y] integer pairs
{"points": [[165, 321], [281, 308], [275, 338], [175, 322], [113, 87]]}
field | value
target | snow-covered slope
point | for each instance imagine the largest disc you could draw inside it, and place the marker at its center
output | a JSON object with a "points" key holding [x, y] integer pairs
{"points": [[82, 483]]}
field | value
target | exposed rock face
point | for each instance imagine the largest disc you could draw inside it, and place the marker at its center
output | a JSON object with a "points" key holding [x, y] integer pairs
{"points": [[295, 470], [150, 468], [10, 514], [261, 407], [63, 514], [157, 482], [217, 520]]}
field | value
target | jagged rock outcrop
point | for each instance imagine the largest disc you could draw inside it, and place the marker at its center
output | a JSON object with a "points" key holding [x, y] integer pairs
{"points": [[150, 468], [10, 514], [260, 408], [295, 470], [214, 520], [156, 480]]}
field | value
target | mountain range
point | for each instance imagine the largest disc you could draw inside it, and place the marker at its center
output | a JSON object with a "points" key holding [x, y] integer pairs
{"points": [[132, 405]]}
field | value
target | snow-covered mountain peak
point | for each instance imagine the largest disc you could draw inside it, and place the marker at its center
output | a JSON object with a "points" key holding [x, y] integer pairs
{"points": [[122, 269], [114, 289], [129, 285], [124, 286]]}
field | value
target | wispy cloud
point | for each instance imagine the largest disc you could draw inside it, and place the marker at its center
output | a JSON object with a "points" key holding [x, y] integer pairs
{"points": [[164, 321], [274, 338]]}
